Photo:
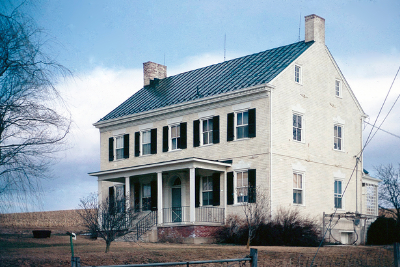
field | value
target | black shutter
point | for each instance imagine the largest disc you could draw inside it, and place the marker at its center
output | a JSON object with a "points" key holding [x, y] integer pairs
{"points": [[137, 144], [153, 189], [165, 139], [252, 186], [136, 191], [216, 129], [229, 189], [153, 141], [197, 192], [111, 149], [126, 146], [216, 189], [252, 122], [196, 133], [183, 138], [111, 200], [230, 130]]}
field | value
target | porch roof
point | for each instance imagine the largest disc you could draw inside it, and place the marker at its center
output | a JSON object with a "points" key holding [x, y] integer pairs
{"points": [[164, 166]]}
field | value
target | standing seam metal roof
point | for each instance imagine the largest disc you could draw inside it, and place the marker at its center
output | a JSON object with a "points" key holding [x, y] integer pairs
{"points": [[212, 80]]}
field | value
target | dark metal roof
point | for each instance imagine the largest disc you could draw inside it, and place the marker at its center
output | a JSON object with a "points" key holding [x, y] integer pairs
{"points": [[251, 70]]}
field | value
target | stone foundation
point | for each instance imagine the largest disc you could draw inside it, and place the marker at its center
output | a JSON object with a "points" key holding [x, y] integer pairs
{"points": [[188, 234]]}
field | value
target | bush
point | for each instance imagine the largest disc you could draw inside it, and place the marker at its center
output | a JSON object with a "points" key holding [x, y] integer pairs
{"points": [[288, 228], [383, 231]]}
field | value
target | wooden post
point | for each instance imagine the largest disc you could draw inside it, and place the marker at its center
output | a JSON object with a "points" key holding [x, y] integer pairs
{"points": [[75, 262], [254, 257], [396, 253]]}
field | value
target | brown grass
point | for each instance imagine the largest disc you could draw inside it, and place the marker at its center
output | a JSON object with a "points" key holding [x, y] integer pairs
{"points": [[24, 250]]}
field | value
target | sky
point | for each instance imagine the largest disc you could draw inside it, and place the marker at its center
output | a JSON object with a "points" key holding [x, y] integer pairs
{"points": [[105, 43]]}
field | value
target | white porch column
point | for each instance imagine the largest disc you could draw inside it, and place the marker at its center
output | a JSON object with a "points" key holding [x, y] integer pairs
{"points": [[159, 198], [127, 194], [192, 196]]}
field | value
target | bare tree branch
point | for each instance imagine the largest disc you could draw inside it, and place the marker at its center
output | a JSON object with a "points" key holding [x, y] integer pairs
{"points": [[389, 189]]}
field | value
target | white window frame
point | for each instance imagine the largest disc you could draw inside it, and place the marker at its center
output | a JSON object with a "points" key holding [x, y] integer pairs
{"points": [[209, 132], [371, 198], [338, 88], [116, 148], [299, 79], [341, 138], [209, 191], [302, 189], [302, 127], [242, 125], [148, 185], [235, 185], [142, 143], [337, 195], [170, 136]]}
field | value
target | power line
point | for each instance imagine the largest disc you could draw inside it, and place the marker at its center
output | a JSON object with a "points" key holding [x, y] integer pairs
{"points": [[395, 135]]}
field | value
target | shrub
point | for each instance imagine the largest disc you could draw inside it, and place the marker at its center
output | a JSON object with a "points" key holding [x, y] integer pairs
{"points": [[383, 231], [288, 228]]}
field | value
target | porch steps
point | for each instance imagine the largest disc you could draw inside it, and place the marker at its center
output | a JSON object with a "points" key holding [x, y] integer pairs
{"points": [[131, 236]]}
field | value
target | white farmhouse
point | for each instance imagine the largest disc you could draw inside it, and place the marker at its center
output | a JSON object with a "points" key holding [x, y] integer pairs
{"points": [[189, 149]]}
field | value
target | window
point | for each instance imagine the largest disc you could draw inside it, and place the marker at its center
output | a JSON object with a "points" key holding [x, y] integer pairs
{"points": [[118, 147], [146, 199], [297, 188], [297, 74], [337, 142], [146, 142], [338, 88], [174, 137], [297, 127], [207, 131], [207, 190], [242, 125], [242, 185], [371, 193], [338, 195]]}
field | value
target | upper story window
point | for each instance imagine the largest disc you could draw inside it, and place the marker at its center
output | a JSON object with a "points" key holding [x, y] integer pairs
{"points": [[298, 188], [338, 88], [338, 194], [207, 193], [241, 125], [338, 137], [146, 142], [297, 74], [297, 127], [206, 131], [174, 137], [118, 147]]}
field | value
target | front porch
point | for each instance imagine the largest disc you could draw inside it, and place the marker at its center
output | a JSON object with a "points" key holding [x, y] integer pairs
{"points": [[178, 193]]}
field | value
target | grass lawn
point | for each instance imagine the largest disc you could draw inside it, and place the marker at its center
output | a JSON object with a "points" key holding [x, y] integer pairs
{"points": [[24, 250]]}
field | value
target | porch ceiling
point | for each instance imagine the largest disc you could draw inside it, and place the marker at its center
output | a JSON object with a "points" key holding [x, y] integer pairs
{"points": [[171, 165]]}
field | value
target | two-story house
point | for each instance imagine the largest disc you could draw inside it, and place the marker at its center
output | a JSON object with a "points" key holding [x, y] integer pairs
{"points": [[191, 148]]}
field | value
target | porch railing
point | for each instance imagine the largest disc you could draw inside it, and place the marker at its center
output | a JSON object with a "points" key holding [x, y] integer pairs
{"points": [[210, 214], [203, 214], [146, 223]]}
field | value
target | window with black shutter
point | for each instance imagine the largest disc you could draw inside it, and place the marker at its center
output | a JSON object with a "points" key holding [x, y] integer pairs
{"points": [[216, 189]]}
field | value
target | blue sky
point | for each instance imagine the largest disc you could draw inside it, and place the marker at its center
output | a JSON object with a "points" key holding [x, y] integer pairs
{"points": [[105, 43]]}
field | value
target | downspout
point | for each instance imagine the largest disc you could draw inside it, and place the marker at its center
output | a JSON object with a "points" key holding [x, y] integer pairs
{"points": [[270, 152]]}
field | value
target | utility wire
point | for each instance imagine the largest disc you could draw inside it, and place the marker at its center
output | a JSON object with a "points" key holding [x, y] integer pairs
{"points": [[395, 135]]}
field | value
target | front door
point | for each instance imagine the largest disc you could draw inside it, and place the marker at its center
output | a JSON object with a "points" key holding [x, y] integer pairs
{"points": [[176, 205]]}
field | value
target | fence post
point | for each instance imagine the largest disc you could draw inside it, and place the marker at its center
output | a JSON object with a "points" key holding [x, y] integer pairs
{"points": [[396, 253], [75, 262], [254, 257]]}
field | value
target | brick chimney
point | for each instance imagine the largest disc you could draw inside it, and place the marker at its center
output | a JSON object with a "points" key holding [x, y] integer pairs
{"points": [[315, 29], [153, 71]]}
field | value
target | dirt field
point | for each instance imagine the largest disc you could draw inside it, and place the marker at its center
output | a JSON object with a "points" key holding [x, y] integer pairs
{"points": [[24, 250]]}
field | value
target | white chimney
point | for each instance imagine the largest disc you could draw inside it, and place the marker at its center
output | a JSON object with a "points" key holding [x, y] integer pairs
{"points": [[315, 29], [153, 71]]}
